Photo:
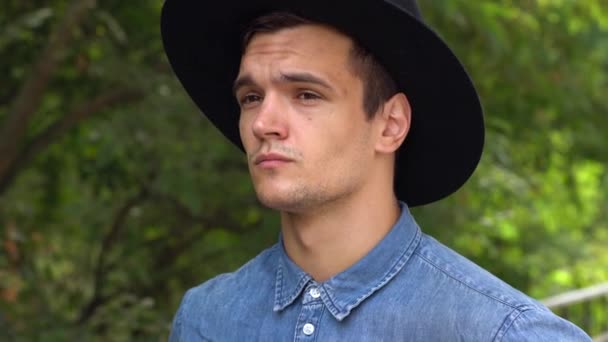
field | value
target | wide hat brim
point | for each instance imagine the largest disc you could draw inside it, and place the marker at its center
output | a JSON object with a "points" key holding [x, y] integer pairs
{"points": [[445, 141]]}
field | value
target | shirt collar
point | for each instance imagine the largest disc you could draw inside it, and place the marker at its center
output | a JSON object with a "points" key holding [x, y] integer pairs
{"points": [[346, 290]]}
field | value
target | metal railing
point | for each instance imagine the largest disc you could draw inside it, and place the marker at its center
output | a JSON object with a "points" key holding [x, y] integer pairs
{"points": [[587, 308]]}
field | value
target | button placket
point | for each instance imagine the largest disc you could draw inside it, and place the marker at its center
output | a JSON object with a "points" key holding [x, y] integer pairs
{"points": [[307, 326]]}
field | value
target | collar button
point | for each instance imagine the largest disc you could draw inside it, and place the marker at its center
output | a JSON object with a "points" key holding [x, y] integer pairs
{"points": [[314, 293]]}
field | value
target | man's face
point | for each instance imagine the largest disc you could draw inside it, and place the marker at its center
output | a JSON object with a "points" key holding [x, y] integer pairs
{"points": [[302, 121]]}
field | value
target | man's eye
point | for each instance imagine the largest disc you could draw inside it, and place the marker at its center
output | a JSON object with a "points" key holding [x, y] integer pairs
{"points": [[250, 98], [308, 95]]}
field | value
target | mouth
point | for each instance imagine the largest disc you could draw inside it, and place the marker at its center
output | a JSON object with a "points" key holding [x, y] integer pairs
{"points": [[271, 160]]}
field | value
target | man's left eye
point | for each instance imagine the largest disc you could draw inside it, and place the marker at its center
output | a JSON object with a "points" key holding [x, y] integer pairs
{"points": [[308, 95]]}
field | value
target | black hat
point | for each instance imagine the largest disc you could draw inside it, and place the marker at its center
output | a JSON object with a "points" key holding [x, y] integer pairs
{"points": [[445, 141]]}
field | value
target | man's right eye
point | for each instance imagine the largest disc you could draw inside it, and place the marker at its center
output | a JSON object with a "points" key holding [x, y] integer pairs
{"points": [[250, 98]]}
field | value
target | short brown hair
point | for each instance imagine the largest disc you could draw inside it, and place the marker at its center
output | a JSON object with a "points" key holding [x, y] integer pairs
{"points": [[378, 85]]}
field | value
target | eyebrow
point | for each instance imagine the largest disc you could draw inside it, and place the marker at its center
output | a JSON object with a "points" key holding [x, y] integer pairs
{"points": [[291, 77], [242, 81]]}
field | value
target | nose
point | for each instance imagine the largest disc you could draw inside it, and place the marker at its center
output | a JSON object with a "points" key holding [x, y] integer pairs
{"points": [[270, 121]]}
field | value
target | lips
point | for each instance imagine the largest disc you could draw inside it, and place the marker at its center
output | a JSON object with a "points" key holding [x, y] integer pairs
{"points": [[271, 160]]}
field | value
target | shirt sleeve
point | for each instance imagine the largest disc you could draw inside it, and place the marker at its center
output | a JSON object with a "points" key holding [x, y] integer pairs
{"points": [[177, 328], [185, 327], [537, 325]]}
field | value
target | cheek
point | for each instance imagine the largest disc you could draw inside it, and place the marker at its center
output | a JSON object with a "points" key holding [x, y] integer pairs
{"points": [[245, 131], [341, 148], [241, 124]]}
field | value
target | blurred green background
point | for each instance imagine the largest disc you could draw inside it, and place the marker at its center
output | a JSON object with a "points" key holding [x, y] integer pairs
{"points": [[116, 195]]}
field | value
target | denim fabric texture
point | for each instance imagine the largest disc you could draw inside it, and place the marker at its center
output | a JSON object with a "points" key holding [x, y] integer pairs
{"points": [[408, 288]]}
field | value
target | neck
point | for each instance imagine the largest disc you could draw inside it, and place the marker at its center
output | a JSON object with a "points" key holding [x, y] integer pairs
{"points": [[328, 240]]}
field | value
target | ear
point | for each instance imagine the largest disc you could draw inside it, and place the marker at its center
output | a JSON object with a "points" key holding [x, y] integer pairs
{"points": [[395, 119]]}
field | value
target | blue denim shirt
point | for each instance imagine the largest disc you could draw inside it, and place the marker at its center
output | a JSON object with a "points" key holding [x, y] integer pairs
{"points": [[408, 288]]}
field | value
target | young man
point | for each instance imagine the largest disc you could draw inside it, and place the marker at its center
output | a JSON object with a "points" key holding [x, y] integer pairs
{"points": [[343, 108]]}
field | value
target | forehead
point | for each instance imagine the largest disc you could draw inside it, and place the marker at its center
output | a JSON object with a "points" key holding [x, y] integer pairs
{"points": [[313, 43]]}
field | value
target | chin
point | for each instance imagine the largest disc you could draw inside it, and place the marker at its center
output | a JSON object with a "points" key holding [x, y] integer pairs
{"points": [[284, 199], [276, 201]]}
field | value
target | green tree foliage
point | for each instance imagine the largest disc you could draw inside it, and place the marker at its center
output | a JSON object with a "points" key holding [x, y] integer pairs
{"points": [[541, 70], [116, 195]]}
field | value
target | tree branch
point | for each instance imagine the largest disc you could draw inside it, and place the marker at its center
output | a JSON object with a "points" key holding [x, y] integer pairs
{"points": [[57, 129], [220, 218], [31, 92], [100, 270], [102, 266]]}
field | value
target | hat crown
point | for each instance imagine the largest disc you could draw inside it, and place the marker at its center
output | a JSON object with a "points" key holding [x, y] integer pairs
{"points": [[410, 6]]}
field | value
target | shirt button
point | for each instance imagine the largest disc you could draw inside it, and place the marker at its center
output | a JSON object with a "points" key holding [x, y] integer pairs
{"points": [[308, 329], [315, 293]]}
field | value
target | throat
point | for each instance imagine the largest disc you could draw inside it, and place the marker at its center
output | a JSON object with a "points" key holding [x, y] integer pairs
{"points": [[324, 245]]}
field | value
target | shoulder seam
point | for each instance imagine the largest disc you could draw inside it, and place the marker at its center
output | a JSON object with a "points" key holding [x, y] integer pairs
{"points": [[521, 307], [504, 328]]}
